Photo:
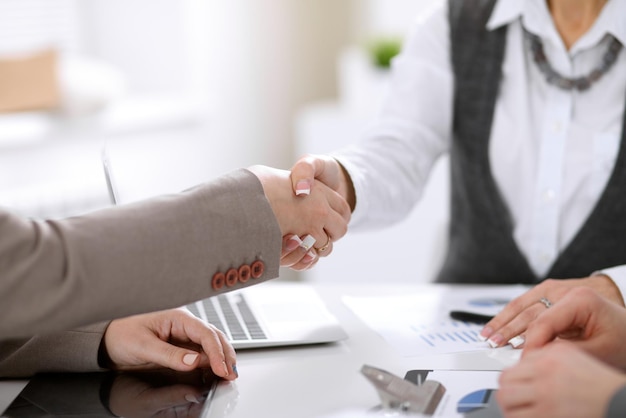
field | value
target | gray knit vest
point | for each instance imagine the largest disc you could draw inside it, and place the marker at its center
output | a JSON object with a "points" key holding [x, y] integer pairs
{"points": [[481, 246]]}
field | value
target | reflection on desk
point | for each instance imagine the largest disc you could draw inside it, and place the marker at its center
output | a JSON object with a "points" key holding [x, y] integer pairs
{"points": [[129, 395]]}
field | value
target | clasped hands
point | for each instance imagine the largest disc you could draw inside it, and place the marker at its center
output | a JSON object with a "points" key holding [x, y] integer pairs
{"points": [[309, 222], [311, 204]]}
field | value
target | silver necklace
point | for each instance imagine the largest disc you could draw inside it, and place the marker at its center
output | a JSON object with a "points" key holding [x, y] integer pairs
{"points": [[566, 83]]}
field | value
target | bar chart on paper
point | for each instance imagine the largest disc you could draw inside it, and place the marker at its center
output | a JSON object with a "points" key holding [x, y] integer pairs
{"points": [[419, 324]]}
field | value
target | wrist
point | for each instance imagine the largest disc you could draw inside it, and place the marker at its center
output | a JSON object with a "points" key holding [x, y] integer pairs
{"points": [[609, 283], [104, 360]]}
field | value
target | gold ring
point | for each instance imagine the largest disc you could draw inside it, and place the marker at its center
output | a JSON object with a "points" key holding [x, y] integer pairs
{"points": [[325, 246]]}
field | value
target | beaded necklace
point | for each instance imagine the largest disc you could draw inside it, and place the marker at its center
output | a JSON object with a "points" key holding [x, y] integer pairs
{"points": [[578, 83]]}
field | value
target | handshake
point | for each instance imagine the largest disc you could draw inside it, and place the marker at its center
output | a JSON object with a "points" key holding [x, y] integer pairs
{"points": [[312, 203]]}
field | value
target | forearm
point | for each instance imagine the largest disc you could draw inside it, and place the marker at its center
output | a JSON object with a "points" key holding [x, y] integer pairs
{"points": [[69, 351], [152, 255]]}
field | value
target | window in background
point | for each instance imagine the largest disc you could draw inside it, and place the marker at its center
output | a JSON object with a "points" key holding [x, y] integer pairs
{"points": [[125, 71]]}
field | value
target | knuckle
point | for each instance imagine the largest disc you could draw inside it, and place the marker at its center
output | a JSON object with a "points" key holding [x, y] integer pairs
{"points": [[583, 292], [549, 283], [527, 316]]}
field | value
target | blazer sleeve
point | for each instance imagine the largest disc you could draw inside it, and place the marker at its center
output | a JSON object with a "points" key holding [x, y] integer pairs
{"points": [[152, 255], [67, 351], [617, 405]]}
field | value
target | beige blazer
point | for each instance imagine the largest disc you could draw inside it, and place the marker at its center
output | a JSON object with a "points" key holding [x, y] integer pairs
{"points": [[157, 254]]}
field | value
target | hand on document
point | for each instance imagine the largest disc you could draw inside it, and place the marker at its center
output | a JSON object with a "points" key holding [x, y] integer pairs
{"points": [[589, 320], [514, 319], [570, 378]]}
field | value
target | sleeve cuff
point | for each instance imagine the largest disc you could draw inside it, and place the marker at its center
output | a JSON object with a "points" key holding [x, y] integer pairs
{"points": [[618, 275]]}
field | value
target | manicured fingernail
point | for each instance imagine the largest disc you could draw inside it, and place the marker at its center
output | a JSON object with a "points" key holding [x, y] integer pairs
{"points": [[495, 340], [189, 359], [226, 372], [235, 370], [308, 242], [293, 243], [517, 341], [303, 188], [310, 256], [190, 398], [485, 333]]}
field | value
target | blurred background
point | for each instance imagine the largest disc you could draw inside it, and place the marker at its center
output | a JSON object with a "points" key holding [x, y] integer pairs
{"points": [[181, 91]]}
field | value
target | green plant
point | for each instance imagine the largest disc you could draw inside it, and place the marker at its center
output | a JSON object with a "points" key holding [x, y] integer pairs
{"points": [[383, 49]]}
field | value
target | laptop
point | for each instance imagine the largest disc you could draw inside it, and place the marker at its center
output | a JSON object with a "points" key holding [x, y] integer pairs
{"points": [[266, 315]]}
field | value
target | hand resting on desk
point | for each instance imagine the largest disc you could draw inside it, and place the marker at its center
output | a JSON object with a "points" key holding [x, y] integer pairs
{"points": [[562, 378], [513, 320], [592, 322], [174, 339], [559, 380]]}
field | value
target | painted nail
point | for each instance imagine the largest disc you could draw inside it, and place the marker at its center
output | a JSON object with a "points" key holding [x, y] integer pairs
{"points": [[235, 370], [293, 243], [310, 256], [517, 341], [495, 340], [303, 188], [308, 242], [486, 333], [226, 372], [190, 398], [189, 359]]}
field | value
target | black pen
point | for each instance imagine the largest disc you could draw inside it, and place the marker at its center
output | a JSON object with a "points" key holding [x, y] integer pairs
{"points": [[472, 317]]}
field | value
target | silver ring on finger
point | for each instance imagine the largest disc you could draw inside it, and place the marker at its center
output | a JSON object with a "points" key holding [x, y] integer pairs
{"points": [[546, 302]]}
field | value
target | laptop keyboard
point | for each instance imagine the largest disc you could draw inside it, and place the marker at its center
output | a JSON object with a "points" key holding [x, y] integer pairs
{"points": [[232, 316]]}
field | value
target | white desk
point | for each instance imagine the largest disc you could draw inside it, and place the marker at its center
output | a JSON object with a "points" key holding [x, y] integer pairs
{"points": [[322, 380]]}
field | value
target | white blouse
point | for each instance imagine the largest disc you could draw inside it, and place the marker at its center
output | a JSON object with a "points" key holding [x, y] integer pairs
{"points": [[551, 151]]}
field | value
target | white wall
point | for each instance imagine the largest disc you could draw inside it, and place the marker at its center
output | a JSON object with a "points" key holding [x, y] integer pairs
{"points": [[244, 68], [269, 57]]}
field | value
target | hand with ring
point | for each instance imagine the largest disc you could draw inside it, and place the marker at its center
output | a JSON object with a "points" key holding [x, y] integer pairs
{"points": [[294, 245], [514, 319], [320, 217], [589, 320], [309, 175]]}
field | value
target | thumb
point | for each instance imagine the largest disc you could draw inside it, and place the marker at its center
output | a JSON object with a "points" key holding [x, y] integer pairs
{"points": [[304, 171]]}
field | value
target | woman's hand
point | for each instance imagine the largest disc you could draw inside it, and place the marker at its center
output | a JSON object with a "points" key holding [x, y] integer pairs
{"points": [[174, 339], [592, 322], [521, 311], [309, 226], [559, 380]]}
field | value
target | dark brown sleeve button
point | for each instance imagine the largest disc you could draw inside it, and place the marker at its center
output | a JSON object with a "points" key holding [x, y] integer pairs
{"points": [[244, 273], [258, 267], [218, 281], [231, 277]]}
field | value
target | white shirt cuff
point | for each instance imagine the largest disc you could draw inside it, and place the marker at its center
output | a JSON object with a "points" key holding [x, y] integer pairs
{"points": [[618, 275]]}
